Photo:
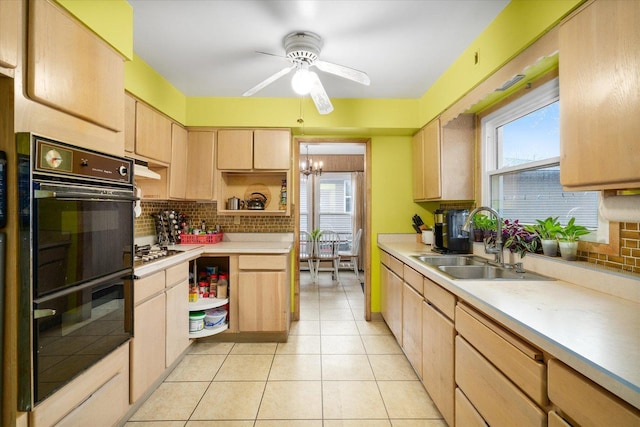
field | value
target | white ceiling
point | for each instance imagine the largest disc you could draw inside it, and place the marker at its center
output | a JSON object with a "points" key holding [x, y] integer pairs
{"points": [[208, 47]]}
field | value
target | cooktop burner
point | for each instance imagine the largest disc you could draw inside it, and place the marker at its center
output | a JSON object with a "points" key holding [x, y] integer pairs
{"points": [[147, 253]]}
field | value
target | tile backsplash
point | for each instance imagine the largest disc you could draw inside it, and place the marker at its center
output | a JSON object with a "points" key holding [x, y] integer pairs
{"points": [[629, 258], [196, 212]]}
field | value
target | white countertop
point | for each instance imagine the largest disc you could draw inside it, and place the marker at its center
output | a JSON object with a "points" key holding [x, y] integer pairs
{"points": [[595, 333], [232, 244]]}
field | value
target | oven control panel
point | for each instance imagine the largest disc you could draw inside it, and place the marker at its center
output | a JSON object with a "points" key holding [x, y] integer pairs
{"points": [[62, 159]]}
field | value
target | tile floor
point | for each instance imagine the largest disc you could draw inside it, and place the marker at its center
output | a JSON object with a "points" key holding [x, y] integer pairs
{"points": [[335, 370]]}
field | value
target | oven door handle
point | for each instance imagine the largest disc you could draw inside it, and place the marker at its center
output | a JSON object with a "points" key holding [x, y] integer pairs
{"points": [[43, 312], [45, 194]]}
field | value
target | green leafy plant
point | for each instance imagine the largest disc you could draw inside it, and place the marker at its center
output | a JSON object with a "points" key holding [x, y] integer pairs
{"points": [[517, 239], [548, 229], [484, 222], [572, 232], [315, 234]]}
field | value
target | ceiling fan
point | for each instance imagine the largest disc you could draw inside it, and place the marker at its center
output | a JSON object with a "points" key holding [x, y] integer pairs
{"points": [[302, 49]]}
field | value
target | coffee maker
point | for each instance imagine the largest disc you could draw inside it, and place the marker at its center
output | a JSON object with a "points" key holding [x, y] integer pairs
{"points": [[448, 235]]}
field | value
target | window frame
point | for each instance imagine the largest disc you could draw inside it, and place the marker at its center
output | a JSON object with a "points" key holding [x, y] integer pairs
{"points": [[526, 101]]}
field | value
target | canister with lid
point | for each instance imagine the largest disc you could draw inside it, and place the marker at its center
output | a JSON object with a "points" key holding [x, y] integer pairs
{"points": [[196, 321]]}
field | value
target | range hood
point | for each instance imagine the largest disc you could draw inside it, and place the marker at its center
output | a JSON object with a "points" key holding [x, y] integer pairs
{"points": [[141, 170]]}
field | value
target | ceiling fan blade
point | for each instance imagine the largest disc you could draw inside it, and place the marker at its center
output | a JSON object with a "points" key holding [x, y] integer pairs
{"points": [[269, 80], [271, 54], [319, 95], [342, 71]]}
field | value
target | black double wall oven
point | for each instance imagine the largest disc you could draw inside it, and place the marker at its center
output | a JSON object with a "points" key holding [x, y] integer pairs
{"points": [[76, 262]]}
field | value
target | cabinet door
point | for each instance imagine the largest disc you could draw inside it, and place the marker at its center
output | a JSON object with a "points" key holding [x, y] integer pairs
{"points": [[178, 166], [71, 69], [271, 149], [438, 335], [177, 321], [431, 161], [599, 126], [235, 149], [200, 166], [417, 158], [457, 155], [129, 123], [153, 134], [394, 305], [412, 326], [9, 20], [147, 345], [262, 297]]}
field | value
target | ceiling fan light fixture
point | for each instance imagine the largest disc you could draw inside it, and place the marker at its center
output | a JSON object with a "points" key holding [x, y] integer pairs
{"points": [[301, 81]]}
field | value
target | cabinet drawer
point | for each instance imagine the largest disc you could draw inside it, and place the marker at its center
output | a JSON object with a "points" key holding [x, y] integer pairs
{"points": [[147, 286], [385, 258], [466, 414], [396, 266], [262, 262], [496, 398], [413, 278], [585, 402], [440, 298], [505, 351], [177, 274]]}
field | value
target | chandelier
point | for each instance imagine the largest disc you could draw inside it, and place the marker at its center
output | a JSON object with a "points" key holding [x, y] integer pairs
{"points": [[308, 167]]}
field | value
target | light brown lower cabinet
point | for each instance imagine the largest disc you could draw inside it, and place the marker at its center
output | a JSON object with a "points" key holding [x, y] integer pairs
{"points": [[391, 293], [585, 403], [438, 335], [263, 293], [412, 327], [556, 420], [148, 345], [177, 321], [496, 398]]}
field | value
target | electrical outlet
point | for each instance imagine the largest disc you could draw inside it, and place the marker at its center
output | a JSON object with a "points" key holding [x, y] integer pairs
{"points": [[236, 220]]}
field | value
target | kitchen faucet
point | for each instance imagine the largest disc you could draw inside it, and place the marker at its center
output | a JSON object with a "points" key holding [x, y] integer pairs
{"points": [[497, 247]]}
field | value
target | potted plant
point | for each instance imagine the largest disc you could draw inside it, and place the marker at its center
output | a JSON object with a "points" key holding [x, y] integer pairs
{"points": [[518, 239], [548, 231], [569, 236], [483, 225]]}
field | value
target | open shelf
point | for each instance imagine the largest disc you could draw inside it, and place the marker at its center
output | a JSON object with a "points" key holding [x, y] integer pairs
{"points": [[208, 332], [207, 303]]}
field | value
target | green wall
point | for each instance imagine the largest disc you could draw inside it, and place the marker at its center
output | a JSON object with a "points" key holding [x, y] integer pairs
{"points": [[388, 122]]}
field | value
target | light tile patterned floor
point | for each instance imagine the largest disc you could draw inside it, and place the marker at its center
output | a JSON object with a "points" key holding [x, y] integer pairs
{"points": [[336, 370]]}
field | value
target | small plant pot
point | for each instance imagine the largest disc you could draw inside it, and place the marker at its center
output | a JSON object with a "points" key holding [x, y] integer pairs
{"points": [[569, 250], [478, 235], [549, 247]]}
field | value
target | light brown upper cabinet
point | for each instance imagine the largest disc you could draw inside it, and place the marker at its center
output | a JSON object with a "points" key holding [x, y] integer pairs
{"points": [[72, 70], [600, 97], [254, 149], [443, 160], [178, 166], [9, 20], [153, 134], [200, 165]]}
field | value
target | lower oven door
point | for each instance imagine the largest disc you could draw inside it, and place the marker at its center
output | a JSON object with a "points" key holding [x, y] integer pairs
{"points": [[75, 328]]}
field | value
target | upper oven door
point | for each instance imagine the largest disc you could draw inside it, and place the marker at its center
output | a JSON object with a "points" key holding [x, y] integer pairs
{"points": [[80, 234]]}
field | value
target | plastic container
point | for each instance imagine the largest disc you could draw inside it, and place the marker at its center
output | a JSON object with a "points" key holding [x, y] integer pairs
{"points": [[214, 318], [196, 321]]}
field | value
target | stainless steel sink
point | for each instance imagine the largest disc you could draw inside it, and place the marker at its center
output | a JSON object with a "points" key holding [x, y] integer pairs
{"points": [[438, 260], [471, 267], [488, 272]]}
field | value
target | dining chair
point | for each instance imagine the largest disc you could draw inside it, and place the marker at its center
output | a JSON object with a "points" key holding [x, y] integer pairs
{"points": [[307, 245], [327, 247], [352, 253]]}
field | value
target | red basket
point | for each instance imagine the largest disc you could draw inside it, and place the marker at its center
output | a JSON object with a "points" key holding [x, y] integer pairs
{"points": [[208, 239]]}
